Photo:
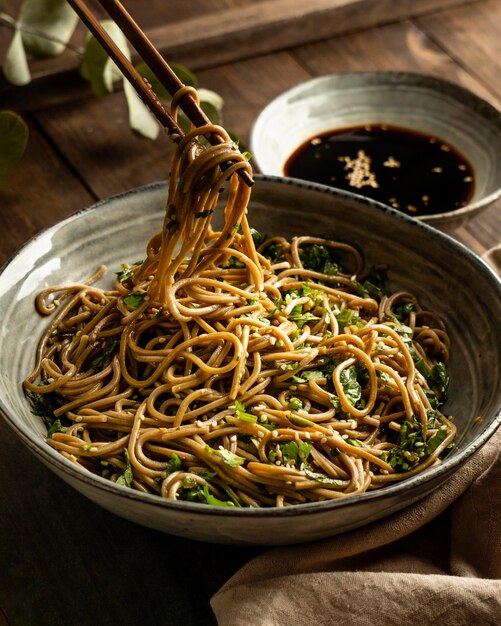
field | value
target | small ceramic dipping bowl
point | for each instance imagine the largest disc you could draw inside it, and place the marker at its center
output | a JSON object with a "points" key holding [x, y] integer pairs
{"points": [[425, 104]]}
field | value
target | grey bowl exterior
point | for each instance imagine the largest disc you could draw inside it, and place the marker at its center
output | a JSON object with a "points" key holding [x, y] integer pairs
{"points": [[443, 273], [425, 103]]}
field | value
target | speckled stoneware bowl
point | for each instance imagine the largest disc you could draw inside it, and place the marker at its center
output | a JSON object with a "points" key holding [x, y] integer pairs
{"points": [[443, 274], [430, 105]]}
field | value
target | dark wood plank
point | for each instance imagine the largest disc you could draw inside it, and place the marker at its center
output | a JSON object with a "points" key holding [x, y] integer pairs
{"points": [[396, 47], [65, 561], [272, 25], [94, 135], [471, 35], [239, 29], [41, 191]]}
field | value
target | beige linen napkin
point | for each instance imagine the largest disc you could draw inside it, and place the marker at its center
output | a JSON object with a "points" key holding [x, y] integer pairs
{"points": [[436, 562]]}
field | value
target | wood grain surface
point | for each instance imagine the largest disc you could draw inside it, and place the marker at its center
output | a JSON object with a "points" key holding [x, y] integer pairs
{"points": [[63, 560], [206, 33]]}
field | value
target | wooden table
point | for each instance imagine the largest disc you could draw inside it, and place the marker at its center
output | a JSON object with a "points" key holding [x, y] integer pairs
{"points": [[63, 560]]}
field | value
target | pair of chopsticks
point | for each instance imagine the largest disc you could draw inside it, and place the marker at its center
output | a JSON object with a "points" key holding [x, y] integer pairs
{"points": [[152, 57]]}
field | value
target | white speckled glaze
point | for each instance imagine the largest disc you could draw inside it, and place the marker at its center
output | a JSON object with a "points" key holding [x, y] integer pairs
{"points": [[443, 273], [424, 103]]}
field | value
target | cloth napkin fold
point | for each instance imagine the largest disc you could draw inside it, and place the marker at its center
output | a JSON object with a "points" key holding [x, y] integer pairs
{"points": [[436, 562]]}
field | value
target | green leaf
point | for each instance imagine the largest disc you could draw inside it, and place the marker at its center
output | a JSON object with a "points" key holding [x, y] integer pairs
{"points": [[346, 317], [211, 104], [307, 375], [351, 386], [56, 427], [289, 366], [210, 499], [141, 120], [14, 137], [274, 252], [296, 404], [174, 463], [155, 84], [108, 351], [439, 381], [292, 452], [52, 22], [302, 318], [234, 262], [231, 459], [184, 75], [402, 329], [96, 65], [127, 271], [433, 443], [403, 310], [257, 237], [319, 259], [15, 64], [243, 415], [127, 477], [302, 422], [321, 478], [135, 299]]}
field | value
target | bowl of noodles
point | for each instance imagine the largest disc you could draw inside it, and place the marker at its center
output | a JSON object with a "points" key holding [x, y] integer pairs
{"points": [[270, 376]]}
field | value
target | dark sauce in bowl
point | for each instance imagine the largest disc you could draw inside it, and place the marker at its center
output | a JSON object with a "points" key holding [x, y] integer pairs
{"points": [[413, 172]]}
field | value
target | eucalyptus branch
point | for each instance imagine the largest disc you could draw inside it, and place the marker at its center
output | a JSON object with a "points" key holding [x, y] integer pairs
{"points": [[9, 22]]}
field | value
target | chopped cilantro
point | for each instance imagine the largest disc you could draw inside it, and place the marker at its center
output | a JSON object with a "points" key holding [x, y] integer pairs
{"points": [[296, 404], [292, 452], [135, 299], [56, 427], [274, 252], [355, 442], [231, 459], [321, 478], [126, 271], [346, 317], [43, 405], [174, 464], [108, 351], [243, 415], [301, 318], [433, 443], [439, 381], [403, 329], [403, 310], [257, 237], [374, 286], [289, 366], [210, 499], [319, 259], [351, 386], [127, 477], [234, 262]]}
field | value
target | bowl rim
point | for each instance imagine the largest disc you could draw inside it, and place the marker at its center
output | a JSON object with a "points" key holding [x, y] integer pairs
{"points": [[399, 78], [72, 471]]}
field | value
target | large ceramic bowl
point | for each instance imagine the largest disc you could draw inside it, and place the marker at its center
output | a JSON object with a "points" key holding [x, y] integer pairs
{"points": [[423, 103], [442, 273]]}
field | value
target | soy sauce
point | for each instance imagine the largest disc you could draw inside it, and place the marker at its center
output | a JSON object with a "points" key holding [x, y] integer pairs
{"points": [[415, 173]]}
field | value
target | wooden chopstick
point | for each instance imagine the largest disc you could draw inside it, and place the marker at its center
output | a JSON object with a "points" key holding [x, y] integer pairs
{"points": [[145, 92], [156, 63]]}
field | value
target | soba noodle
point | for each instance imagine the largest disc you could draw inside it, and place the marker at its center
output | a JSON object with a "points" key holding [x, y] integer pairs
{"points": [[239, 372]]}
